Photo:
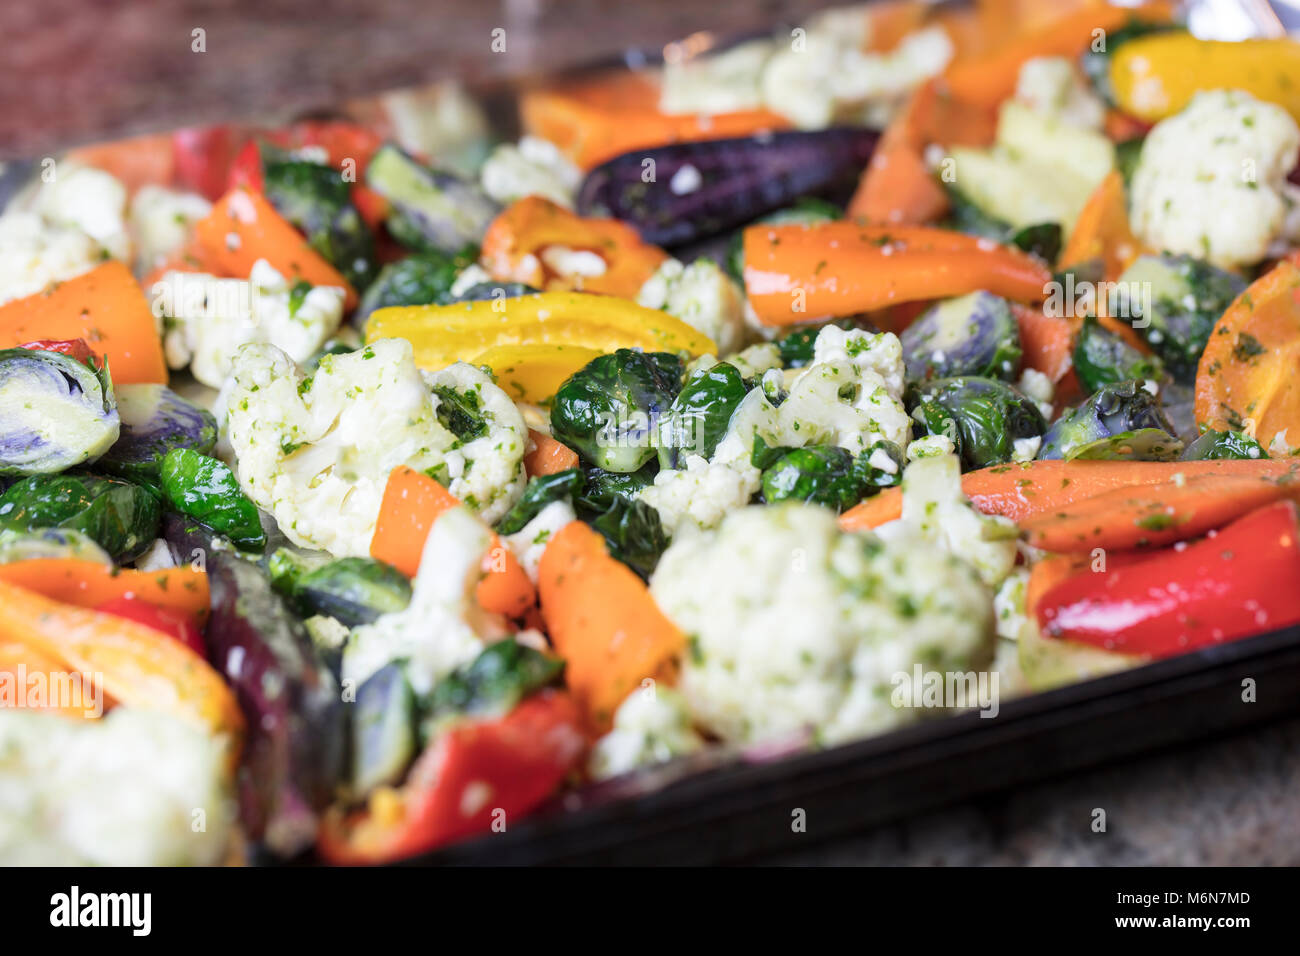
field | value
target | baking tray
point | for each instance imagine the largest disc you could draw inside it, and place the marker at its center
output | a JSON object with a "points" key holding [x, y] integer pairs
{"points": [[692, 813]]}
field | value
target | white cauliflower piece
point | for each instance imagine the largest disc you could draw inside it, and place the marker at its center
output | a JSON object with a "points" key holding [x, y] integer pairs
{"points": [[161, 220], [851, 394], [34, 254], [795, 625], [1210, 180], [702, 493], [936, 509], [317, 452], [757, 359], [207, 319], [529, 542], [121, 791], [702, 296], [89, 199], [472, 275], [653, 725], [1052, 85], [486, 473], [535, 167], [830, 77], [443, 627], [726, 82]]}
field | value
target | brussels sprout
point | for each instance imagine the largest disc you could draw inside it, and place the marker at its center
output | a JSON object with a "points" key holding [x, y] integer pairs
{"points": [[1101, 358], [384, 739], [1120, 421], [541, 491], [1042, 240], [797, 346], [422, 279], [120, 516], [55, 412], [500, 677], [486, 291], [603, 488], [1127, 155], [608, 411], [207, 490], [801, 211], [984, 417], [820, 474], [1215, 445], [316, 199], [353, 591], [698, 417], [881, 466], [154, 421], [974, 334], [432, 209], [461, 412], [50, 543], [1186, 298], [634, 534]]}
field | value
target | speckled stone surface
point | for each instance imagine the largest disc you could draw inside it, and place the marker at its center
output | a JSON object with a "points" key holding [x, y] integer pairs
{"points": [[1231, 802]]}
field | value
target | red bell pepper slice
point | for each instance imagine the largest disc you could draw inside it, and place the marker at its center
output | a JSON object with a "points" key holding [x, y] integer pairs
{"points": [[473, 774], [182, 627], [246, 170], [202, 157], [1241, 581], [76, 348]]}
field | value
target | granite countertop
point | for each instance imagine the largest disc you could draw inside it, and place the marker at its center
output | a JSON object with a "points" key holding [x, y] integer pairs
{"points": [[73, 71]]}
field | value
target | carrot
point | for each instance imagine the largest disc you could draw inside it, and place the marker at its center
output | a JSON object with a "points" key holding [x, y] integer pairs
{"points": [[1021, 492], [103, 306], [1157, 514], [1047, 341], [135, 665], [548, 455], [1102, 230], [135, 162], [90, 584], [244, 227], [516, 241], [600, 117], [989, 79], [889, 22], [1248, 374], [603, 622], [412, 503], [795, 273], [897, 186]]}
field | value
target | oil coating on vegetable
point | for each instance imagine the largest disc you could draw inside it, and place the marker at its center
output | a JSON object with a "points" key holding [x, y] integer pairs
{"points": [[206, 489], [120, 516], [698, 417]]}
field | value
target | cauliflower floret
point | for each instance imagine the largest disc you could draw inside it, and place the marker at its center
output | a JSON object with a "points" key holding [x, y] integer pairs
{"points": [[316, 452], [121, 791], [1052, 85], [702, 493], [443, 627], [702, 296], [487, 472], [796, 625], [756, 360], [653, 725], [530, 541], [34, 254], [935, 508], [161, 220], [207, 319], [726, 82], [1209, 181], [851, 394], [441, 120], [831, 77], [535, 167], [89, 199]]}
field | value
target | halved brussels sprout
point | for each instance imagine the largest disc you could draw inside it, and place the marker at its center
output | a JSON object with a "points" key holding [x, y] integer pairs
{"points": [[984, 417], [541, 491], [206, 489], [1186, 297], [120, 516], [425, 278], [608, 411], [56, 412], [1217, 445], [698, 417], [818, 474], [353, 591], [431, 209], [154, 421], [1120, 421], [384, 740], [50, 543], [1102, 358], [973, 334]]}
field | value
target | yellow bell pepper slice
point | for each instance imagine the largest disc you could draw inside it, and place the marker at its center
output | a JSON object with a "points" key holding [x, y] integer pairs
{"points": [[1156, 76], [443, 334], [135, 665], [534, 373]]}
